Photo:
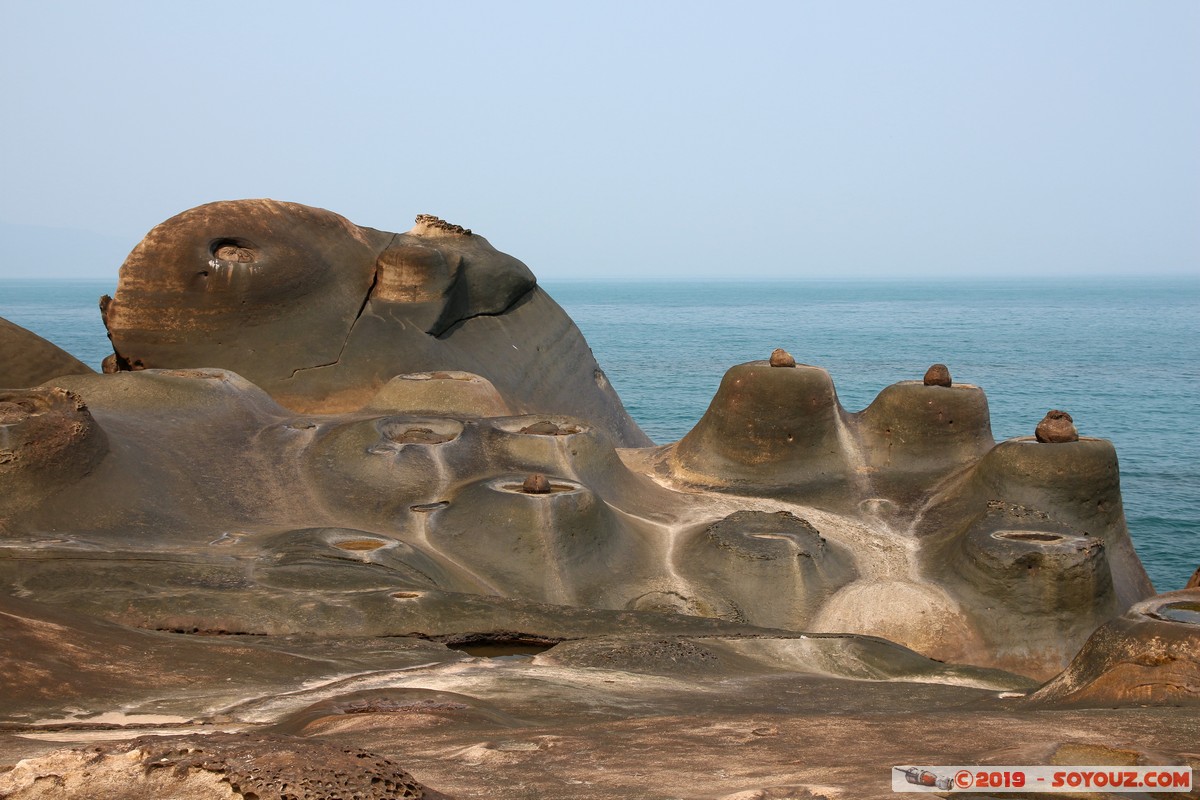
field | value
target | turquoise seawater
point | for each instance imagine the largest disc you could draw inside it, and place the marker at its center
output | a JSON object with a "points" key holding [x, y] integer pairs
{"points": [[1123, 357]]}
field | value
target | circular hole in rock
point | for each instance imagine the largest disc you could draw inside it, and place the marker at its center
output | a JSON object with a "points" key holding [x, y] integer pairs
{"points": [[555, 488], [877, 505], [410, 433], [1029, 536], [548, 428], [236, 251], [359, 544], [22, 407], [1185, 612]]}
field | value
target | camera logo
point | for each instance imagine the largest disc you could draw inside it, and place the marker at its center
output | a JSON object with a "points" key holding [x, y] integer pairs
{"points": [[923, 777]]}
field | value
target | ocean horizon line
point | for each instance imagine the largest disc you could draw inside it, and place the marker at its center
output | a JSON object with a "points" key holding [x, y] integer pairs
{"points": [[958, 280]]}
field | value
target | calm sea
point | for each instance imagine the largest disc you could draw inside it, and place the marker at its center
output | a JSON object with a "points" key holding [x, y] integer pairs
{"points": [[1123, 357]]}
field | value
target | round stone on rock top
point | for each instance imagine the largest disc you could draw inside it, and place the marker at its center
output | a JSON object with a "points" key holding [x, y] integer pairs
{"points": [[937, 375], [782, 358], [1056, 427], [536, 484]]}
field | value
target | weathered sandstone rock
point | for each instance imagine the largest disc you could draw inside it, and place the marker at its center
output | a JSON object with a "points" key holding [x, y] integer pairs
{"points": [[937, 375], [216, 766], [1056, 427], [415, 524], [48, 440], [782, 358], [1150, 655], [536, 484], [322, 313], [27, 359]]}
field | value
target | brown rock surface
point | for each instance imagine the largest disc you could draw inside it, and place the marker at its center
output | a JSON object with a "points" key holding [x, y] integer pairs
{"points": [[1056, 427], [452, 393], [214, 766], [912, 432], [27, 359], [322, 313], [1150, 655], [48, 440], [536, 484], [937, 375], [782, 358], [664, 716]]}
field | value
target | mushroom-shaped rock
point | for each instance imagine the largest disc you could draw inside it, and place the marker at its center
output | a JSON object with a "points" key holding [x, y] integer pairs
{"points": [[937, 375], [450, 392], [48, 441], [916, 429], [211, 766], [768, 569], [322, 313], [767, 428], [1056, 427], [1150, 655], [782, 358], [1014, 570], [564, 546], [357, 465], [1079, 485], [27, 359]]}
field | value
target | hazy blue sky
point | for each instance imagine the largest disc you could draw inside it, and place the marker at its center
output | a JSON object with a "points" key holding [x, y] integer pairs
{"points": [[623, 140]]}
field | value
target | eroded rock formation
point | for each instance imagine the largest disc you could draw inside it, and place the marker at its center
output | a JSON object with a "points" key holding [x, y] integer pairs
{"points": [[1056, 427], [1150, 655], [744, 521], [48, 441], [334, 461], [321, 313], [937, 375]]}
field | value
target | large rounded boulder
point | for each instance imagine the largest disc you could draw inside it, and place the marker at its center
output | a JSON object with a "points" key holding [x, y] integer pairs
{"points": [[322, 313]]}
